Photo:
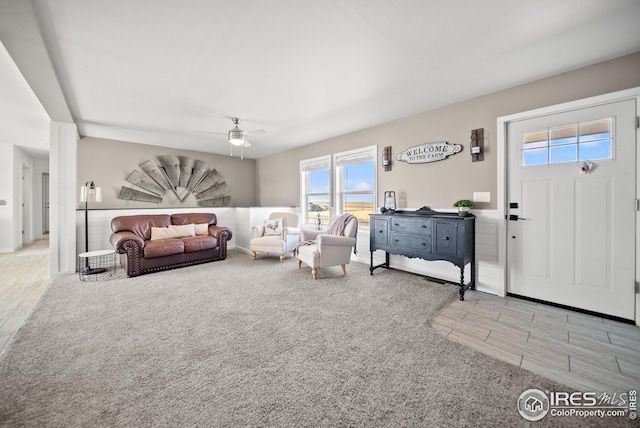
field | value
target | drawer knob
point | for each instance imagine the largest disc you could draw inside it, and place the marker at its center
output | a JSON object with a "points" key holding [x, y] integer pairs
{"points": [[396, 241], [424, 244], [424, 226], [396, 224], [380, 231], [446, 238]]}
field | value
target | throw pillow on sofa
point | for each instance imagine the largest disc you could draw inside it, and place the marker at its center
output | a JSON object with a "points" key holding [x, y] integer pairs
{"points": [[172, 232], [202, 229]]}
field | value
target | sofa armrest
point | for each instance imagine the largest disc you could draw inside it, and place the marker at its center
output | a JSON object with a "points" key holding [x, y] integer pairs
{"points": [[220, 232], [324, 241], [294, 231], [258, 231], [123, 239], [309, 235]]}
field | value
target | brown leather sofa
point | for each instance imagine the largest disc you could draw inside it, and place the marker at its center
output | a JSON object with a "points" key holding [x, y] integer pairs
{"points": [[151, 243]]}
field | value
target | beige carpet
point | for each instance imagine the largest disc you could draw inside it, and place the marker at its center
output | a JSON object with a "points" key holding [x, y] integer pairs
{"points": [[253, 343]]}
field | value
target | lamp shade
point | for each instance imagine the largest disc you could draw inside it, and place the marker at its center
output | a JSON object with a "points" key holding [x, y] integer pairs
{"points": [[90, 192]]}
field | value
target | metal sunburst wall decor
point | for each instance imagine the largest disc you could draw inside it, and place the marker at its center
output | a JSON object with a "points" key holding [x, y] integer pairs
{"points": [[180, 175]]}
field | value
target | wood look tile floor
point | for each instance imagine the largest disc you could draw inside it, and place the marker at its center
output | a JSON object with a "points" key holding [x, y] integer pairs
{"points": [[24, 274], [584, 352]]}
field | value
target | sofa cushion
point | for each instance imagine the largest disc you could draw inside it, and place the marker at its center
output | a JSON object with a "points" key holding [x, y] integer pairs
{"points": [[199, 243], [140, 224], [172, 232], [196, 218], [163, 247]]}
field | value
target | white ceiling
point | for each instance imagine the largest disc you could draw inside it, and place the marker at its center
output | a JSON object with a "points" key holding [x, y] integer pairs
{"points": [[158, 71]]}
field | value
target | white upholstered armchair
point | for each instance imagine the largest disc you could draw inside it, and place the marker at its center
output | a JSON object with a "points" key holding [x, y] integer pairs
{"points": [[331, 247], [279, 234]]}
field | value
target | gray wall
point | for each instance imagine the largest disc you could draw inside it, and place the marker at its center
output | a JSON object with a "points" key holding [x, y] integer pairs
{"points": [[274, 181], [109, 162], [439, 184]]}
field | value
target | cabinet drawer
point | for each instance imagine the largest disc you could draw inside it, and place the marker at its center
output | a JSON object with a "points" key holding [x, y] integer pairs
{"points": [[446, 238], [379, 232], [411, 225], [415, 243]]}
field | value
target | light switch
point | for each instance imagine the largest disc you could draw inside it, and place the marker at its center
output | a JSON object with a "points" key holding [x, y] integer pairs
{"points": [[481, 196]]}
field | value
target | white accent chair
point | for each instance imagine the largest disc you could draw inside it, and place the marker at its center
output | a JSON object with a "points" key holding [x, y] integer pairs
{"points": [[279, 241], [329, 250]]}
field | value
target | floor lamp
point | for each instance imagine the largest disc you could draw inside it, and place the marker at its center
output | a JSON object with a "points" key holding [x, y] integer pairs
{"points": [[93, 192]]}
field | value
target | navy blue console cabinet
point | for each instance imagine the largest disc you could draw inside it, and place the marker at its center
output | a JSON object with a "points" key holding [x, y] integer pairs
{"points": [[428, 235]]}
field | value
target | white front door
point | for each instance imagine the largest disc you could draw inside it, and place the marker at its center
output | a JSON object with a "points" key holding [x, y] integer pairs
{"points": [[571, 203]]}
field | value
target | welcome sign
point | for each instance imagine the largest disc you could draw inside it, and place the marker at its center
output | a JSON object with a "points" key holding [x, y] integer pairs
{"points": [[428, 152]]}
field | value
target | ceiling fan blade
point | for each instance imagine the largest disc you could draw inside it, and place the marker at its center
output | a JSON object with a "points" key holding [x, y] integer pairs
{"points": [[246, 144], [215, 133], [255, 132]]}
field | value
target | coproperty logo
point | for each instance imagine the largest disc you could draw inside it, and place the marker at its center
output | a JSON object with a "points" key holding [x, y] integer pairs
{"points": [[534, 404]]}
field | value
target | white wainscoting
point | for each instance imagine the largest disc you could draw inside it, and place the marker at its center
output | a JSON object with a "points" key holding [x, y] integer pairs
{"points": [[242, 219]]}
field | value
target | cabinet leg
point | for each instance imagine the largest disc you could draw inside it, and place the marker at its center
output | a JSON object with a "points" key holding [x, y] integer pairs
{"points": [[371, 265], [462, 284]]}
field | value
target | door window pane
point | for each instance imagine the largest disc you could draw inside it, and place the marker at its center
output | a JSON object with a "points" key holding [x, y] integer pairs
{"points": [[598, 130], [595, 150], [563, 135], [563, 154], [568, 143], [535, 157]]}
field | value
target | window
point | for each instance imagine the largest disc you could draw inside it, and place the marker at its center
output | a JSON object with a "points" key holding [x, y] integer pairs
{"points": [[315, 187], [344, 182], [569, 143], [355, 183]]}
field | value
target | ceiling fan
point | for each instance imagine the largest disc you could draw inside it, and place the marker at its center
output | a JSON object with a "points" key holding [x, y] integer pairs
{"points": [[237, 137]]}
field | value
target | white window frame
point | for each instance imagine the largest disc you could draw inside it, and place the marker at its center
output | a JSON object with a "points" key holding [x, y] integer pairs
{"points": [[335, 163], [352, 157], [308, 165]]}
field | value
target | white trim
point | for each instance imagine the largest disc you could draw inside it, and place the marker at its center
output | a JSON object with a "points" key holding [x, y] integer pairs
{"points": [[63, 169], [504, 121]]}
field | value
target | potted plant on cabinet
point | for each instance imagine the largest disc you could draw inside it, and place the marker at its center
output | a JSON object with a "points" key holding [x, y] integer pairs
{"points": [[463, 205]]}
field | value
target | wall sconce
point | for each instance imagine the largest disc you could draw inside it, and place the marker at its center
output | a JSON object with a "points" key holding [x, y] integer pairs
{"points": [[386, 158], [477, 145]]}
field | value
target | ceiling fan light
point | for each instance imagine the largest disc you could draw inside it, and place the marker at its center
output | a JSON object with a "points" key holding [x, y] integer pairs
{"points": [[236, 137]]}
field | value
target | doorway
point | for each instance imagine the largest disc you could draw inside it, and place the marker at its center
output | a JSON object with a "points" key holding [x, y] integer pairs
{"points": [[25, 205], [572, 207], [45, 203]]}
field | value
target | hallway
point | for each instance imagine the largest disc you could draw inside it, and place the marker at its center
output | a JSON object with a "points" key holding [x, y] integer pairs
{"points": [[24, 274]]}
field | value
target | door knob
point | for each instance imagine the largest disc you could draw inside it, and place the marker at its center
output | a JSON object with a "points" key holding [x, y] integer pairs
{"points": [[514, 217]]}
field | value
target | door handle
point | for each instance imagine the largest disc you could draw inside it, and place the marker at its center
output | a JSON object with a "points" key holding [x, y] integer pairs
{"points": [[514, 217]]}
